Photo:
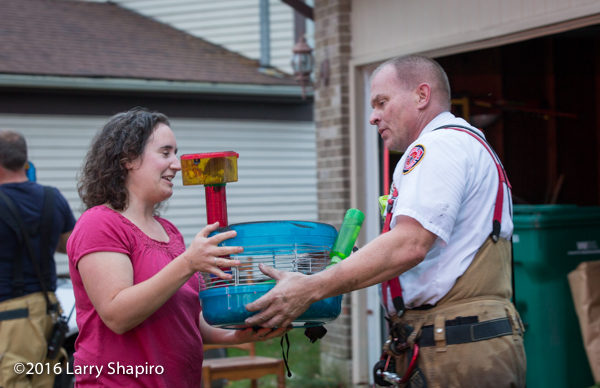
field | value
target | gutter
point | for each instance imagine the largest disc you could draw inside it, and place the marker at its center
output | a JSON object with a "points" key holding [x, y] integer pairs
{"points": [[141, 85]]}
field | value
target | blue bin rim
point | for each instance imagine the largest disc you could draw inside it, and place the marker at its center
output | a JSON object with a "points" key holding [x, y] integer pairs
{"points": [[299, 228], [289, 222]]}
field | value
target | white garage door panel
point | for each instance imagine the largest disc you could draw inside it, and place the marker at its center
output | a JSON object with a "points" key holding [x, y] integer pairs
{"points": [[276, 168]]}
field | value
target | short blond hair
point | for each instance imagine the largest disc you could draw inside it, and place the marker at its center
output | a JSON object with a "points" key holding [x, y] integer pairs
{"points": [[412, 70]]}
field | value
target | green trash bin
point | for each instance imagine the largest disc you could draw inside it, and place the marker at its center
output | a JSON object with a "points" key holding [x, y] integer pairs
{"points": [[549, 242]]}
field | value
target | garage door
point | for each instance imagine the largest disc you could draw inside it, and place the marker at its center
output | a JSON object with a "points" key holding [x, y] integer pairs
{"points": [[276, 167]]}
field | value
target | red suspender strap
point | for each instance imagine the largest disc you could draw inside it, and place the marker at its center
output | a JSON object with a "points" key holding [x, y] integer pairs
{"points": [[503, 179], [388, 215]]}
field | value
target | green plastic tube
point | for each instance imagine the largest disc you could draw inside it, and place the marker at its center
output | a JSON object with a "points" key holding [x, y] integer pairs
{"points": [[346, 238]]}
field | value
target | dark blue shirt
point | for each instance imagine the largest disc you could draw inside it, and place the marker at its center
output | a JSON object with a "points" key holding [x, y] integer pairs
{"points": [[29, 199]]}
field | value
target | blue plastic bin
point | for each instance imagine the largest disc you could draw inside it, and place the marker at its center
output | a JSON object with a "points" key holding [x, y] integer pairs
{"points": [[289, 243]]}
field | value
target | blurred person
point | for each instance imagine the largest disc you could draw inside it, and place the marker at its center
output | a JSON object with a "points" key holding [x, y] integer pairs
{"points": [[136, 285], [28, 306]]}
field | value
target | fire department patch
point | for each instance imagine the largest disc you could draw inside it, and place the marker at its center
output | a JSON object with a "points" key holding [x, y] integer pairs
{"points": [[414, 157]]}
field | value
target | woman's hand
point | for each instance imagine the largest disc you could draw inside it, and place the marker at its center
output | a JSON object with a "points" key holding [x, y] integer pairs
{"points": [[205, 254], [215, 335], [251, 334]]}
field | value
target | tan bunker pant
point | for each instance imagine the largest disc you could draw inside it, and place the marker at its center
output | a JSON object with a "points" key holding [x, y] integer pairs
{"points": [[482, 294], [23, 341]]}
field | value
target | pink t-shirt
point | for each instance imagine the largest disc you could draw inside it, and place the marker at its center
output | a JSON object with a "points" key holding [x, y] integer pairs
{"points": [[163, 351]]}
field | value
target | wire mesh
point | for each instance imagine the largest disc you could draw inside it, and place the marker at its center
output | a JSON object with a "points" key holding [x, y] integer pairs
{"points": [[304, 258]]}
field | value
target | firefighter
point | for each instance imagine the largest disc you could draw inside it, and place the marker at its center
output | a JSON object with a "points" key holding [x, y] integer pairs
{"points": [[444, 259], [35, 222]]}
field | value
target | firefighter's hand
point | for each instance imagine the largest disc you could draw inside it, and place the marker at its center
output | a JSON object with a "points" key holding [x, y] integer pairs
{"points": [[289, 298]]}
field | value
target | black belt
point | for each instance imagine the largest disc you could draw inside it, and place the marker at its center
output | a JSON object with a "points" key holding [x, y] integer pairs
{"points": [[423, 307], [468, 332], [14, 314]]}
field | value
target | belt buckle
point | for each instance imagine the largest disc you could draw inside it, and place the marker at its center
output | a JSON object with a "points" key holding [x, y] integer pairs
{"points": [[399, 334], [471, 332]]}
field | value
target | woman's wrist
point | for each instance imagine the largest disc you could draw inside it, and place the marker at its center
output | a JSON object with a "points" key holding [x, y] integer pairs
{"points": [[185, 262]]}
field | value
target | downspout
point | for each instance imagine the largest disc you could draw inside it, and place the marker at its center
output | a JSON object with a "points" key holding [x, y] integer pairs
{"points": [[265, 35]]}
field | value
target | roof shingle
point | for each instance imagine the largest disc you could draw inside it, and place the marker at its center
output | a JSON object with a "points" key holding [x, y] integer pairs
{"points": [[89, 39]]}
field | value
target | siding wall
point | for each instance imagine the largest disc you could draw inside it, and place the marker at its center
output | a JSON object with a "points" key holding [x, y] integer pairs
{"points": [[234, 24]]}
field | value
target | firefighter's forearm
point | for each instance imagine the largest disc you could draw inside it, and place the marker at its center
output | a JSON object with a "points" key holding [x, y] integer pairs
{"points": [[385, 257]]}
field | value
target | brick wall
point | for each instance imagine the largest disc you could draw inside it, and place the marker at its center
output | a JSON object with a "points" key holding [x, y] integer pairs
{"points": [[332, 47]]}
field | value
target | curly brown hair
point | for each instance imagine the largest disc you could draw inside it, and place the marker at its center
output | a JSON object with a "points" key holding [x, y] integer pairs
{"points": [[121, 140]]}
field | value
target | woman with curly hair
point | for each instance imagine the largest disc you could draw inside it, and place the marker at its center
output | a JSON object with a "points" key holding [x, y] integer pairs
{"points": [[136, 285]]}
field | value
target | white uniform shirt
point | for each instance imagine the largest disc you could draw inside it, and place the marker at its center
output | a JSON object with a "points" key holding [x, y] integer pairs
{"points": [[451, 191]]}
